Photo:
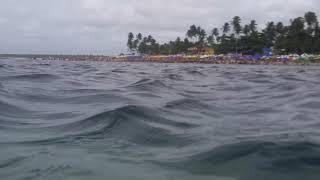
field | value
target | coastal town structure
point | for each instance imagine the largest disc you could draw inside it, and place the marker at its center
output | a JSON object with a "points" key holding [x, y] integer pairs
{"points": [[201, 51]]}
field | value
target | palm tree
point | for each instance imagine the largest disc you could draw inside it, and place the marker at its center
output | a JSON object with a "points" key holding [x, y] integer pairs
{"points": [[279, 28], [130, 41], [143, 47], [149, 39], [192, 32], [302, 35], [280, 31], [210, 40], [215, 34], [270, 34], [311, 20], [253, 26], [226, 28], [202, 36], [317, 31], [297, 25], [139, 36], [135, 45], [297, 34], [178, 46], [246, 30], [236, 23], [186, 44]]}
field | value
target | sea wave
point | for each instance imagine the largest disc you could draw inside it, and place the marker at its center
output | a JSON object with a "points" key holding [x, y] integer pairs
{"points": [[255, 160], [189, 121]]}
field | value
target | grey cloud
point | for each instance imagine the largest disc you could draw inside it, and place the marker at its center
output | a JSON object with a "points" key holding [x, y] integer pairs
{"points": [[101, 26]]}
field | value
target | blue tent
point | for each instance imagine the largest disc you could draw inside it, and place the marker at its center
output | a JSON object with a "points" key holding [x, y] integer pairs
{"points": [[267, 52], [257, 56]]}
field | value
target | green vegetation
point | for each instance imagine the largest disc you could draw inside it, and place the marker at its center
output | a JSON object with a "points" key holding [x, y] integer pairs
{"points": [[302, 35]]}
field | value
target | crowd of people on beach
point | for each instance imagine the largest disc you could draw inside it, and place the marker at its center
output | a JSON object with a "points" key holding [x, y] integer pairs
{"points": [[213, 59], [226, 59]]}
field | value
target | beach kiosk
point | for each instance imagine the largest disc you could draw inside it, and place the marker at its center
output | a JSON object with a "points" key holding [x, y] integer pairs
{"points": [[201, 51]]}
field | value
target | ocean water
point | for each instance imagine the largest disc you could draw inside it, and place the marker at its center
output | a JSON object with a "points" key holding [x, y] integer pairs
{"points": [[143, 121]]}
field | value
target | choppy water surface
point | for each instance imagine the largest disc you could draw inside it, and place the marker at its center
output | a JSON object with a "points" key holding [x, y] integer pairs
{"points": [[91, 120]]}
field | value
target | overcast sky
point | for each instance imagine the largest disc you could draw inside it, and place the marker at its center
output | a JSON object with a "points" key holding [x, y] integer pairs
{"points": [[101, 26]]}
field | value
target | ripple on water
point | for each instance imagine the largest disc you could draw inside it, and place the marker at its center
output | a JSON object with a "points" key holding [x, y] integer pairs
{"points": [[179, 121]]}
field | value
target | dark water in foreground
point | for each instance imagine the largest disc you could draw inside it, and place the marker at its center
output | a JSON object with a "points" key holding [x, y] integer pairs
{"points": [[120, 121]]}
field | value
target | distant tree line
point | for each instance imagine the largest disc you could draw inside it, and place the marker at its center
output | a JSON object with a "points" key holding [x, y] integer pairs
{"points": [[302, 35]]}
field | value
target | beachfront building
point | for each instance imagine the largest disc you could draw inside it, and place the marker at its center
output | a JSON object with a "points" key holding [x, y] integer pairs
{"points": [[201, 51]]}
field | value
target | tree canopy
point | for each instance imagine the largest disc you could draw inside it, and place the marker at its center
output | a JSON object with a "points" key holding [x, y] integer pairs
{"points": [[301, 35]]}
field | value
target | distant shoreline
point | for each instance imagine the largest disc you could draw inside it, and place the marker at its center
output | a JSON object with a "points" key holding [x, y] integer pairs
{"points": [[166, 59]]}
